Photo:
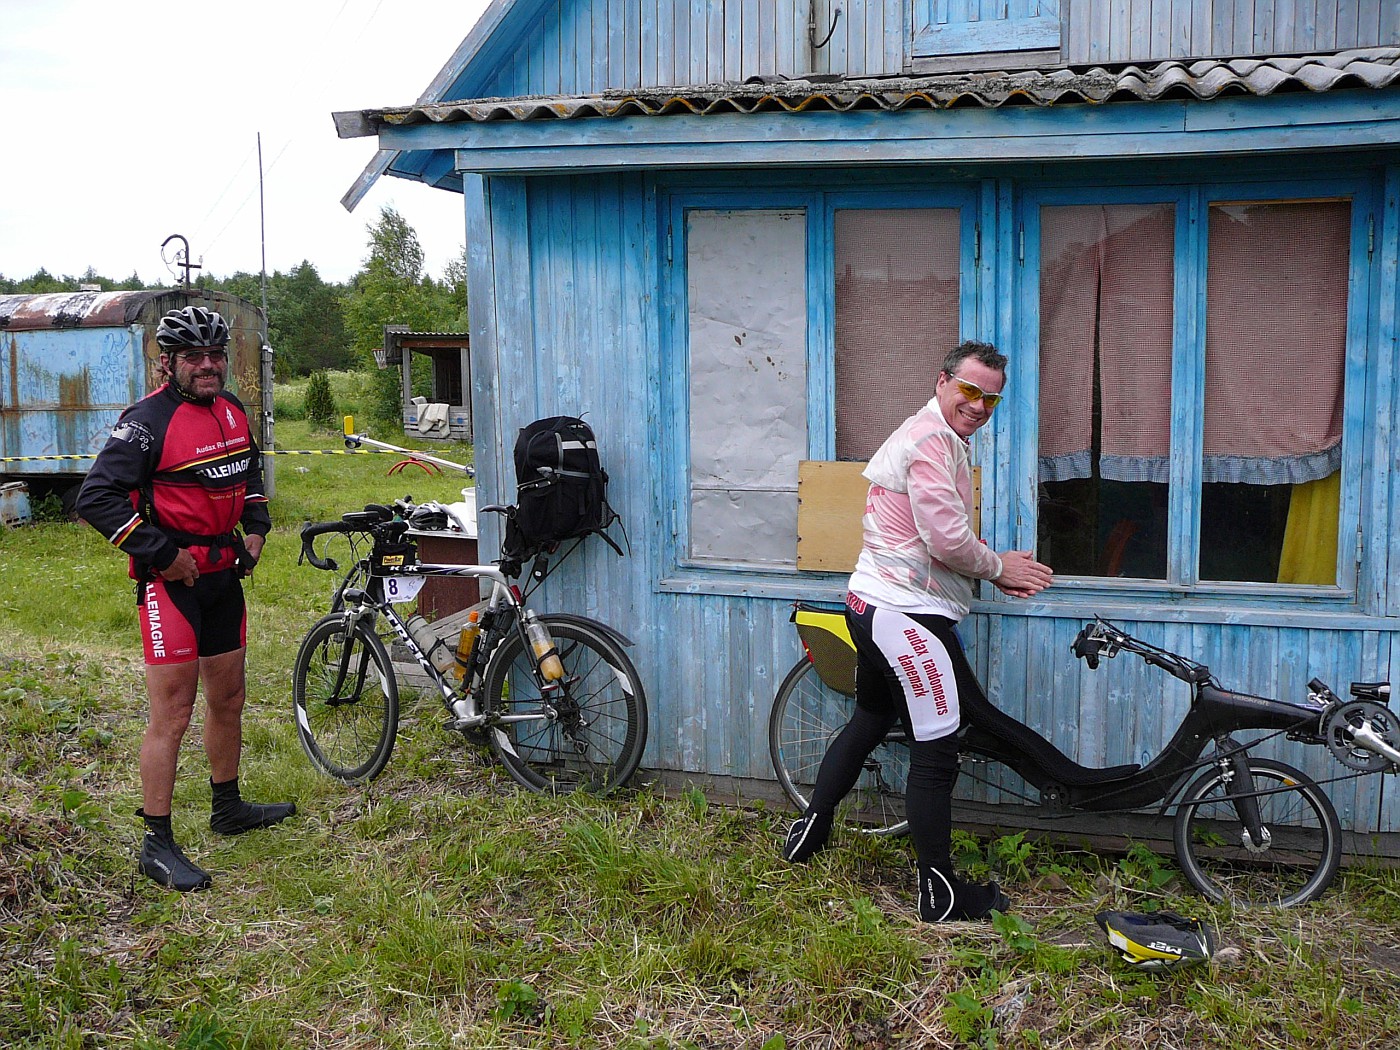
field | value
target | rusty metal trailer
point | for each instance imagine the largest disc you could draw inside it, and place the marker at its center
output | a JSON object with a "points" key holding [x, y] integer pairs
{"points": [[71, 361]]}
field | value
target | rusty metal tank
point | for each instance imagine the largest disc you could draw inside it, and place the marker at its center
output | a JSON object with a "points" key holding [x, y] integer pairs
{"points": [[71, 361]]}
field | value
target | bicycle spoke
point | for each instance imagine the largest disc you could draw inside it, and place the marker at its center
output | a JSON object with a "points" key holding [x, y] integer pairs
{"points": [[586, 733]]}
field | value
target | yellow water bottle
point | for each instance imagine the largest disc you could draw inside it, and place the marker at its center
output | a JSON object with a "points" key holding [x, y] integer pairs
{"points": [[465, 641], [546, 655]]}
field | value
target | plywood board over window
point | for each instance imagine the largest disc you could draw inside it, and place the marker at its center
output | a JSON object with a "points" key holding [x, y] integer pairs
{"points": [[830, 506]]}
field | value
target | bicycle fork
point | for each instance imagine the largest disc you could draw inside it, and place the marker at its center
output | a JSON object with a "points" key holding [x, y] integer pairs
{"points": [[343, 665], [1239, 785]]}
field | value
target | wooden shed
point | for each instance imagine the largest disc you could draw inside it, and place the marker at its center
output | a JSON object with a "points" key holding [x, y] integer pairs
{"points": [[436, 378], [741, 236]]}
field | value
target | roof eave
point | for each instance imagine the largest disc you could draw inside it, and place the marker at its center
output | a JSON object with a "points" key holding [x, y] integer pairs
{"points": [[495, 22]]}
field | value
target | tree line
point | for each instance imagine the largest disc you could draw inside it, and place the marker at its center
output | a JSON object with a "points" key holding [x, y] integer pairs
{"points": [[314, 325]]}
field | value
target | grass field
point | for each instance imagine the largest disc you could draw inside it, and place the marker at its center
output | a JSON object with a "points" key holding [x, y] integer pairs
{"points": [[443, 907]]}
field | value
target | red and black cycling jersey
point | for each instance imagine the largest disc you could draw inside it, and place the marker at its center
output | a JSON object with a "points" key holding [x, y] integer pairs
{"points": [[173, 473]]}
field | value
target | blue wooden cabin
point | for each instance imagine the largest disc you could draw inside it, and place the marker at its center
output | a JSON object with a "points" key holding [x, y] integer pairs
{"points": [[740, 235]]}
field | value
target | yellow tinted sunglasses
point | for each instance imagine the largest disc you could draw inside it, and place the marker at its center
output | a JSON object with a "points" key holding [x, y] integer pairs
{"points": [[973, 392]]}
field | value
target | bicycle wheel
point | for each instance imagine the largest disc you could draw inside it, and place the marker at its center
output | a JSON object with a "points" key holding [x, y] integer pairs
{"points": [[587, 735], [346, 700], [807, 714], [1294, 864]]}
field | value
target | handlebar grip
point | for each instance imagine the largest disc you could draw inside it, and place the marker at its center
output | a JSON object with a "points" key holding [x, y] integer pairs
{"points": [[310, 531]]}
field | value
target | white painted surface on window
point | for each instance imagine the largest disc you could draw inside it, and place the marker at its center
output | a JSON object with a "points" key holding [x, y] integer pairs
{"points": [[747, 315]]}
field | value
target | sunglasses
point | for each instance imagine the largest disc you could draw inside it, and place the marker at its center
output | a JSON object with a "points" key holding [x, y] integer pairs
{"points": [[973, 392], [194, 357]]}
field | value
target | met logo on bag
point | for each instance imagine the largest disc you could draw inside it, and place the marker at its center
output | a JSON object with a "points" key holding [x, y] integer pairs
{"points": [[561, 487]]}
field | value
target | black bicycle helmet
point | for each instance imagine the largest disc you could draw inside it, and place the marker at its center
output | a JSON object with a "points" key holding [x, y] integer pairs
{"points": [[191, 326], [428, 517], [1157, 940]]}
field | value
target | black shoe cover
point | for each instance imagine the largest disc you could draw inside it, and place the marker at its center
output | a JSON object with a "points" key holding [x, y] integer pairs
{"points": [[807, 837], [167, 864], [946, 898], [236, 816]]}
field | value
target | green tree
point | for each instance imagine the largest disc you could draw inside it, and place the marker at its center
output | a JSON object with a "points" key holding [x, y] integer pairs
{"points": [[455, 279], [392, 289], [320, 404], [306, 317], [42, 282], [310, 322]]}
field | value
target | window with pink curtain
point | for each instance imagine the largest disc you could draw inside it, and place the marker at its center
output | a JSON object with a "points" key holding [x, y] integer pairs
{"points": [[1106, 292], [1276, 322], [1275, 326], [897, 316]]}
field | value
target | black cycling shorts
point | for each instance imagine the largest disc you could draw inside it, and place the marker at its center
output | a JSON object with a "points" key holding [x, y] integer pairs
{"points": [[181, 623]]}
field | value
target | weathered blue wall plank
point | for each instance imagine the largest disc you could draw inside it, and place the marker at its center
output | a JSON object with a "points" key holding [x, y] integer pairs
{"points": [[589, 46], [1152, 30], [1387, 398]]}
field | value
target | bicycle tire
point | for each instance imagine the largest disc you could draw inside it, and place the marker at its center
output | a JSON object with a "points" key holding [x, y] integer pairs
{"points": [[591, 738], [353, 738], [807, 714], [1299, 859]]}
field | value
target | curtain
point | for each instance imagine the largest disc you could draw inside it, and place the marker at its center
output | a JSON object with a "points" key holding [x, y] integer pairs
{"points": [[1276, 320], [1310, 538], [1106, 292], [897, 316]]}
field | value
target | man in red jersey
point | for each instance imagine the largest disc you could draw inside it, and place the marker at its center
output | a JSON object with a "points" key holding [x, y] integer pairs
{"points": [[177, 480]]}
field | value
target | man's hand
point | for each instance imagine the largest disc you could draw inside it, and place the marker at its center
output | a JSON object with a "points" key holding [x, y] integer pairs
{"points": [[182, 569], [253, 544], [1022, 576]]}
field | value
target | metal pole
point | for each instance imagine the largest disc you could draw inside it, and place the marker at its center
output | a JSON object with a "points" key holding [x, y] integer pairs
{"points": [[265, 351]]}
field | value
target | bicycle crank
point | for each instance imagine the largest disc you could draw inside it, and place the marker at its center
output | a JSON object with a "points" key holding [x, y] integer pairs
{"points": [[1365, 736]]}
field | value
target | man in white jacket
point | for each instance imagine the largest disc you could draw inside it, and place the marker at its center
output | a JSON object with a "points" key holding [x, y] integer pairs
{"points": [[912, 584]]}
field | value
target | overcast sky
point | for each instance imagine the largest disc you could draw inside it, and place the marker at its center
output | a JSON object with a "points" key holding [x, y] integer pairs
{"points": [[128, 122]]}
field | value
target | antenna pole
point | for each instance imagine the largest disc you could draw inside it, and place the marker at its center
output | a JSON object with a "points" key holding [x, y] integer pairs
{"points": [[262, 230]]}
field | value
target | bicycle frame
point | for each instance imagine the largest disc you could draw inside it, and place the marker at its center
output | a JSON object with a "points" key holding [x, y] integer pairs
{"points": [[504, 599], [1215, 713]]}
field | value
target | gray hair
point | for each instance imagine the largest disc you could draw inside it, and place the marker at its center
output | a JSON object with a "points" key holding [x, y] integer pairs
{"points": [[983, 352]]}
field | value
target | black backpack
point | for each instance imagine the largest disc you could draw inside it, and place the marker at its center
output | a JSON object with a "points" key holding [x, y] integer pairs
{"points": [[561, 489]]}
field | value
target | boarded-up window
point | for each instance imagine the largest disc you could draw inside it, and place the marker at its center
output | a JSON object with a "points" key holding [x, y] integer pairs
{"points": [[747, 327]]}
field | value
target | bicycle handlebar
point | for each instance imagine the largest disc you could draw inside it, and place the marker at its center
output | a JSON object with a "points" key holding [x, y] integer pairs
{"points": [[311, 530], [1106, 639], [367, 520]]}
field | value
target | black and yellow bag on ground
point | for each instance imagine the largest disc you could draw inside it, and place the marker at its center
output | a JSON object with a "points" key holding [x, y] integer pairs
{"points": [[1157, 940]]}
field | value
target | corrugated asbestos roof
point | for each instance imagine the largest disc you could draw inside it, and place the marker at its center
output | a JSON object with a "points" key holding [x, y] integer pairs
{"points": [[37, 311], [1203, 79], [72, 309]]}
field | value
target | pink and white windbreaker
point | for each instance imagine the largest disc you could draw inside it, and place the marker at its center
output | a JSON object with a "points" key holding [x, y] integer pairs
{"points": [[919, 552]]}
